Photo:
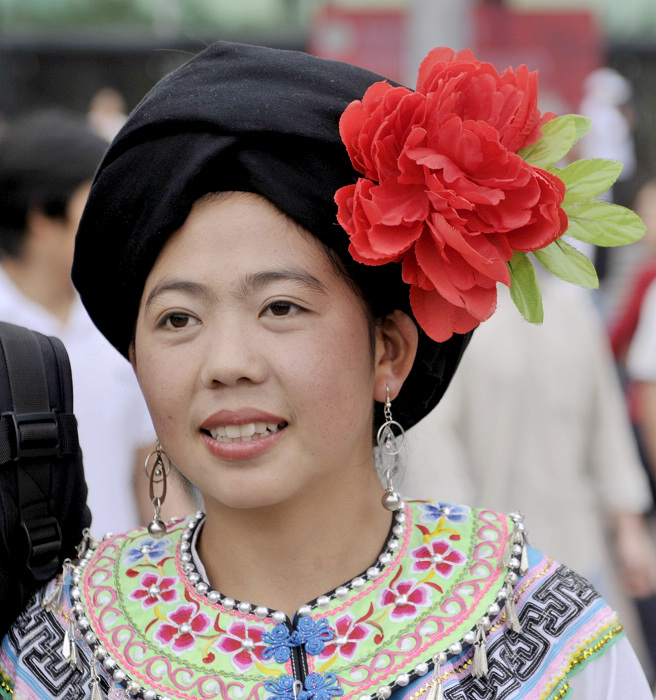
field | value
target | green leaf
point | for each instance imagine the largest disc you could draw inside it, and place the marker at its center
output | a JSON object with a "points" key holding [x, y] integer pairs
{"points": [[568, 263], [524, 287], [586, 179], [558, 137], [604, 224]]}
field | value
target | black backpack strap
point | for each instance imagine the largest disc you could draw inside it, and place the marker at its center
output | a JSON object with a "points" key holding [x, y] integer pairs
{"points": [[35, 439]]}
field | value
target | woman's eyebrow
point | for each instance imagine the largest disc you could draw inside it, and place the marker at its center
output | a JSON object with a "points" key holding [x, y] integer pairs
{"points": [[191, 288], [258, 280]]}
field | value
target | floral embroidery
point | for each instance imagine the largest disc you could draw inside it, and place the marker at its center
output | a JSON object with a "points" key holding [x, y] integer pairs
{"points": [[432, 512], [155, 550], [155, 589], [313, 633], [243, 644], [349, 633], [182, 628], [438, 555], [317, 687], [406, 599]]}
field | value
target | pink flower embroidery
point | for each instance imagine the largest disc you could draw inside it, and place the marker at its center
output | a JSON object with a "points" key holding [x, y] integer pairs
{"points": [[243, 644], [348, 633], [406, 599], [181, 629], [439, 555], [155, 589]]}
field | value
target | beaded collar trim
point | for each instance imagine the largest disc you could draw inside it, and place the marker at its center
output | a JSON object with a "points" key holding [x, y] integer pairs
{"points": [[160, 634]]}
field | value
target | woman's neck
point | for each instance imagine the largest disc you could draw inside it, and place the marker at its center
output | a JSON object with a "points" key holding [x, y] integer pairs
{"points": [[285, 556]]}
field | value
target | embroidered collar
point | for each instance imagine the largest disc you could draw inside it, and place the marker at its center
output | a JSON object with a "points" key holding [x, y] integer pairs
{"points": [[445, 573]]}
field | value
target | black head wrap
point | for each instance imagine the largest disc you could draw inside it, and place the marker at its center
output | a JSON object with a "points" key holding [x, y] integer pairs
{"points": [[240, 118]]}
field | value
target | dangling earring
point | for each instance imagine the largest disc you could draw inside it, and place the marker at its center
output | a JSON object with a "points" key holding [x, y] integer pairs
{"points": [[157, 475], [390, 443]]}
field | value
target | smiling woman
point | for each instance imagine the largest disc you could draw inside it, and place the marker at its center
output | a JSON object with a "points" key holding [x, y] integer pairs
{"points": [[299, 253]]}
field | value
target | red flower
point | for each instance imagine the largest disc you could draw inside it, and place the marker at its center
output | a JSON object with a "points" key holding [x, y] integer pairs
{"points": [[153, 589], [348, 634], [244, 645], [438, 555], [405, 599], [444, 190], [182, 628]]}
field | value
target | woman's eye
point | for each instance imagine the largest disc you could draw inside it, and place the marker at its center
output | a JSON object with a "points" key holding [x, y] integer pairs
{"points": [[282, 308], [178, 320]]}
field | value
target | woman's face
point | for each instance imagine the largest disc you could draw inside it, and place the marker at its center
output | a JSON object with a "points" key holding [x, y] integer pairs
{"points": [[255, 358]]}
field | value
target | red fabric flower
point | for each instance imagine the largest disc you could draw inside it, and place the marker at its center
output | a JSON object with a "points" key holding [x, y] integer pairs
{"points": [[444, 189], [348, 634], [405, 599], [155, 589], [438, 555], [244, 645]]}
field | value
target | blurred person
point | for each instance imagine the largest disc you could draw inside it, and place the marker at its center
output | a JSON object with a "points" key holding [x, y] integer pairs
{"points": [[535, 418], [107, 112], [47, 161]]}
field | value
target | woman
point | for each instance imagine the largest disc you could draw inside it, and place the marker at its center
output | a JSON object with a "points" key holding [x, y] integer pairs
{"points": [[209, 254]]}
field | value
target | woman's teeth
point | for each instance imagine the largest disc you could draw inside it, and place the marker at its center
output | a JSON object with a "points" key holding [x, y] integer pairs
{"points": [[243, 433]]}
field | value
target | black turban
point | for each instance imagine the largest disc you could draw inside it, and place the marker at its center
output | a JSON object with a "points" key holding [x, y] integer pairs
{"points": [[242, 118]]}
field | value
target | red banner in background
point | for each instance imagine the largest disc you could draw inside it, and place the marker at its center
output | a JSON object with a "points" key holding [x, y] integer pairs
{"points": [[371, 39], [563, 46]]}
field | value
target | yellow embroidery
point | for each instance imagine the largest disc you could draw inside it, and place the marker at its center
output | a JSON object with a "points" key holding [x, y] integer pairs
{"points": [[589, 649], [5, 683]]}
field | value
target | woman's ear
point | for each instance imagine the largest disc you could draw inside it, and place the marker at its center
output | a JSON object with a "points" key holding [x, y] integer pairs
{"points": [[396, 346]]}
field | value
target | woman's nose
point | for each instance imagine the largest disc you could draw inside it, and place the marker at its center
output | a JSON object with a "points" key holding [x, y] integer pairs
{"points": [[232, 355]]}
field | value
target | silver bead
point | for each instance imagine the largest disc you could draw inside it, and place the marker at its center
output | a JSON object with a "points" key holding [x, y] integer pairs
{"points": [[118, 675], [373, 572], [398, 530], [100, 652], [156, 529], [323, 601], [384, 693], [185, 556], [514, 563], [439, 658], [341, 593], [261, 612], [469, 637], [76, 593], [511, 578], [214, 596], [76, 578], [149, 695], [133, 687], [185, 546], [391, 500], [78, 608], [365, 697], [202, 587], [400, 517], [186, 535], [194, 577], [278, 617], [421, 669], [393, 545], [109, 663], [83, 623], [502, 594], [358, 583], [228, 603], [304, 610], [403, 679], [187, 567], [243, 607], [385, 558], [517, 549], [485, 622], [90, 638], [493, 609], [455, 648]]}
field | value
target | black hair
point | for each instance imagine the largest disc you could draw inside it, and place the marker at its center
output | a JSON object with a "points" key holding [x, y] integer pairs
{"points": [[44, 158]]}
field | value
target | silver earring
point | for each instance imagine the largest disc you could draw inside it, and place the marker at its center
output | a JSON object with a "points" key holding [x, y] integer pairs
{"points": [[390, 439], [157, 475]]}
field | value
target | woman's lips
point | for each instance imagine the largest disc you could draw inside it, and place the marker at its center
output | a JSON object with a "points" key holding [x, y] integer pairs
{"points": [[242, 433]]}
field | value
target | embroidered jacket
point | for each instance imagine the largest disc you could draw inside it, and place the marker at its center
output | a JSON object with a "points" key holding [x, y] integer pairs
{"points": [[456, 604]]}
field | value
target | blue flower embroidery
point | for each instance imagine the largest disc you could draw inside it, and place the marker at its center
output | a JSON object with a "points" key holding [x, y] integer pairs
{"points": [[431, 512], [313, 633], [155, 550], [278, 641], [317, 687]]}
